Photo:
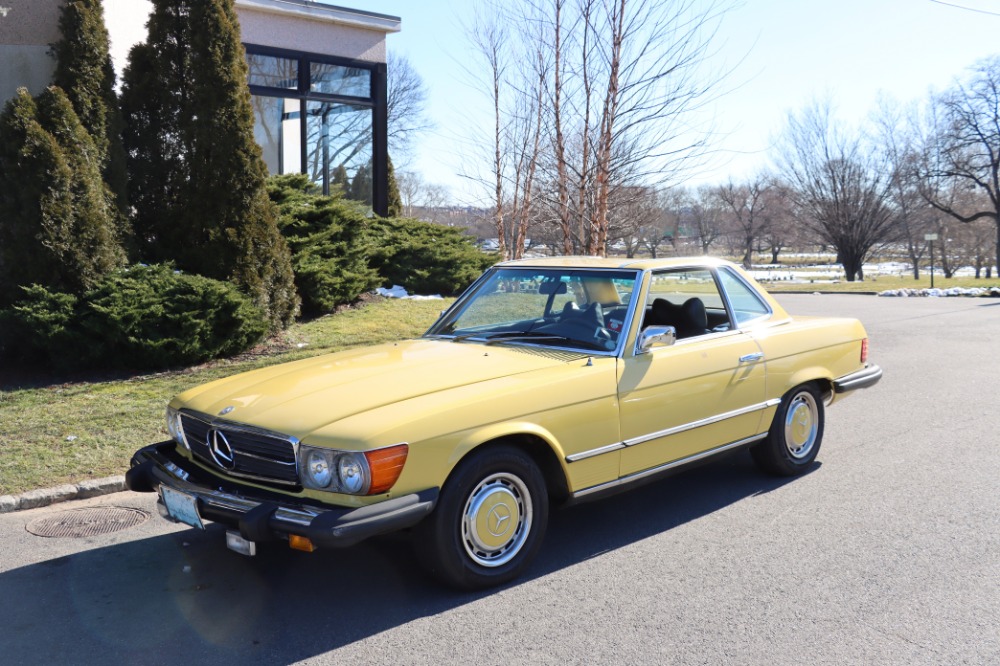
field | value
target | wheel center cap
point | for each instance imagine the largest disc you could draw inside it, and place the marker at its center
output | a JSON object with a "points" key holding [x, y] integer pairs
{"points": [[492, 520], [498, 519]]}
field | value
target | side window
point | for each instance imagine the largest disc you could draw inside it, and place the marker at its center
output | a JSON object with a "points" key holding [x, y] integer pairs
{"points": [[747, 305], [687, 299]]}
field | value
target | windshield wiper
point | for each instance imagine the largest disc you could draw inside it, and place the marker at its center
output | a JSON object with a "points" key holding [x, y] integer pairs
{"points": [[488, 336], [509, 336]]}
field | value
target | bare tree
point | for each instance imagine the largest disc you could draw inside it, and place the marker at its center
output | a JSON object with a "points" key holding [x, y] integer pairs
{"points": [[747, 207], [963, 149], [705, 218], [898, 137], [406, 100], [411, 186], [840, 185], [623, 84], [490, 37], [781, 228]]}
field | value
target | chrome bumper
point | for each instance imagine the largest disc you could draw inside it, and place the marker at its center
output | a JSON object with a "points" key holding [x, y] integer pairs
{"points": [[861, 379], [261, 516]]}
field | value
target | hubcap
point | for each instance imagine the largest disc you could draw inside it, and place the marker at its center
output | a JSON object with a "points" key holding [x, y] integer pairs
{"points": [[801, 425], [497, 520]]}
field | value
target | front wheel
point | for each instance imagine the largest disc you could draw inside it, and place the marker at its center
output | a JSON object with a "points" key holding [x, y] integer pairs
{"points": [[489, 521], [795, 436]]}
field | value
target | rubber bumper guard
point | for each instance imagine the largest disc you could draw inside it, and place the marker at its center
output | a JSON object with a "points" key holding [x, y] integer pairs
{"points": [[267, 518]]}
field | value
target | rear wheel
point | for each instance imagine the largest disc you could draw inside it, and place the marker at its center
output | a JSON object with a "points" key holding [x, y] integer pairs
{"points": [[795, 435], [489, 521]]}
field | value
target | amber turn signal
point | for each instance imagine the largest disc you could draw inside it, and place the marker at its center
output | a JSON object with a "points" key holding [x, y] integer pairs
{"points": [[301, 543], [386, 466]]}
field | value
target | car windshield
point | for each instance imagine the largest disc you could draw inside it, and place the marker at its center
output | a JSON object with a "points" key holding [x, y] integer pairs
{"points": [[560, 307]]}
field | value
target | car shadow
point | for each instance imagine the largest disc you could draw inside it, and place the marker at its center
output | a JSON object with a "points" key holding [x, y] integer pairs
{"points": [[184, 598]]}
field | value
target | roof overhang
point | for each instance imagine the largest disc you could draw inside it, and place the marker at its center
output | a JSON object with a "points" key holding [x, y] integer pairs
{"points": [[318, 11]]}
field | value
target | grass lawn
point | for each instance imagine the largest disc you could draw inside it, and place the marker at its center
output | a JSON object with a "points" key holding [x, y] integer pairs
{"points": [[59, 431]]}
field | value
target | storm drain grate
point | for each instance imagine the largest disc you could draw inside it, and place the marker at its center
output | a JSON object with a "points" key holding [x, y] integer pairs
{"points": [[88, 522]]}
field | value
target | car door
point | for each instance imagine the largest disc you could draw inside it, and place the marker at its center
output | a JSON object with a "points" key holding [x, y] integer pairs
{"points": [[704, 392]]}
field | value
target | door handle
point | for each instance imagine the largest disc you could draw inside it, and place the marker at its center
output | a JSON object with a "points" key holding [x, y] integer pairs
{"points": [[751, 358]]}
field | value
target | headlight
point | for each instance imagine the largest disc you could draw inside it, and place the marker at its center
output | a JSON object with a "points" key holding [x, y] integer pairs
{"points": [[318, 471], [351, 472], [175, 428]]}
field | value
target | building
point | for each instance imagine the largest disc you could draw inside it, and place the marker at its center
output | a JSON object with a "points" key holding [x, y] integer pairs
{"points": [[317, 78]]}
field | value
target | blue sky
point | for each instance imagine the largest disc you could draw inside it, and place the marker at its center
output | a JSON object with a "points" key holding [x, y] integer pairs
{"points": [[785, 53]]}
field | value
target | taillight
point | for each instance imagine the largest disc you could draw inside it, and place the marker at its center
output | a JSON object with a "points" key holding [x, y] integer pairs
{"points": [[864, 350]]}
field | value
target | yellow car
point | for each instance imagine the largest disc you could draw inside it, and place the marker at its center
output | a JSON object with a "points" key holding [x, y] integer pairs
{"points": [[548, 381]]}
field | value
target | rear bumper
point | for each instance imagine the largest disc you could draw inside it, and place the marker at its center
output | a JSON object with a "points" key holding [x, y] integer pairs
{"points": [[861, 379], [261, 516]]}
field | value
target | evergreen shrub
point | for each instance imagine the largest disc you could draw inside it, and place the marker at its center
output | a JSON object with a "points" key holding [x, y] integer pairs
{"points": [[338, 252], [425, 257], [329, 244], [142, 318], [196, 174]]}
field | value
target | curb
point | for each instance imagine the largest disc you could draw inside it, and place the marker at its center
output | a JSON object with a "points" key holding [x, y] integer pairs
{"points": [[35, 499]]}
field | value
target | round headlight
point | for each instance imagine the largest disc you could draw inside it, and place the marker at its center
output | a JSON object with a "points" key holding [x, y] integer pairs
{"points": [[352, 474], [318, 469], [174, 426]]}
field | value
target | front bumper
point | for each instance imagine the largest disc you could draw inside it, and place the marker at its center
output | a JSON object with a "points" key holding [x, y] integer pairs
{"points": [[262, 516], [861, 379]]}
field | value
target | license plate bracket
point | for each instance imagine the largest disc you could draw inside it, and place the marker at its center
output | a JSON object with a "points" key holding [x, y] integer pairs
{"points": [[182, 507]]}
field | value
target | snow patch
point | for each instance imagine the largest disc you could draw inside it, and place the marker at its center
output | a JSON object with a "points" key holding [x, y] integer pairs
{"points": [[400, 292], [993, 292]]}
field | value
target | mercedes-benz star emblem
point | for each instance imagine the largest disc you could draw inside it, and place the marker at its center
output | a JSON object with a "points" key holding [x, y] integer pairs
{"points": [[497, 521], [221, 450]]}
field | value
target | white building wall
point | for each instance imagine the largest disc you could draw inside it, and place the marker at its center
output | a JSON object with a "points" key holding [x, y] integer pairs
{"points": [[27, 27]]}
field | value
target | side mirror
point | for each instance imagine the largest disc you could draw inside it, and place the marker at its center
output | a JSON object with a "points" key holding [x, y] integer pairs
{"points": [[656, 336]]}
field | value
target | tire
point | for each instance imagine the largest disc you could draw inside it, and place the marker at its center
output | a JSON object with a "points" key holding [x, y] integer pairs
{"points": [[489, 521], [795, 435]]}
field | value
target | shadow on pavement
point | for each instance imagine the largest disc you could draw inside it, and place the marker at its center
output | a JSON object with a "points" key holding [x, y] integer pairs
{"points": [[184, 598]]}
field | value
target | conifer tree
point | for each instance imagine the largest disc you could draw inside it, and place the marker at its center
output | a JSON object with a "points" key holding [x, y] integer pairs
{"points": [[395, 208], [196, 173], [361, 185], [56, 217], [341, 180], [86, 74]]}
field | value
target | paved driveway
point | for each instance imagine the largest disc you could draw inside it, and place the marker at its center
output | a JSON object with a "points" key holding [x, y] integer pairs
{"points": [[887, 553]]}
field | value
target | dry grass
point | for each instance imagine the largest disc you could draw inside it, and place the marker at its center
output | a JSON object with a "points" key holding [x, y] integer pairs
{"points": [[63, 430]]}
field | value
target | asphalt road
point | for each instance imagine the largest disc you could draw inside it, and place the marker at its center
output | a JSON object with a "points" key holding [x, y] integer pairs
{"points": [[888, 552]]}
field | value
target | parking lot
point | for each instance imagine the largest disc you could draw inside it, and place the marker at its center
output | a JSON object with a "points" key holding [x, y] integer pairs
{"points": [[888, 552]]}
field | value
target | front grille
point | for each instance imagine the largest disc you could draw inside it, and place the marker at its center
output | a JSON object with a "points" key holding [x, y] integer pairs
{"points": [[256, 454]]}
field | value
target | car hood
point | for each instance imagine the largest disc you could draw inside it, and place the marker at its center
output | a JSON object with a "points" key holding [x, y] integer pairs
{"points": [[301, 397]]}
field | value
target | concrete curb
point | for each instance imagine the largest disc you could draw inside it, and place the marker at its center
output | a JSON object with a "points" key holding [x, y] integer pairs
{"points": [[47, 496]]}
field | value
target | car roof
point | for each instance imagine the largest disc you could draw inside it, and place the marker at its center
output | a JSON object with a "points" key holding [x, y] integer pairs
{"points": [[613, 262]]}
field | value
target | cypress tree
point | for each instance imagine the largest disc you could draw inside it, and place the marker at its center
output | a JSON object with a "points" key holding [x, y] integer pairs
{"points": [[395, 208], [86, 74], [361, 185], [341, 180], [56, 218], [197, 177]]}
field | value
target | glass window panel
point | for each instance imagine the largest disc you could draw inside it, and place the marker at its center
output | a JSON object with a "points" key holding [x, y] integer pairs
{"points": [[273, 72], [339, 148], [277, 124], [340, 80], [678, 286], [746, 304]]}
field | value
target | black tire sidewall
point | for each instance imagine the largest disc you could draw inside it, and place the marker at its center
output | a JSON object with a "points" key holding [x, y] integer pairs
{"points": [[439, 537], [772, 454]]}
